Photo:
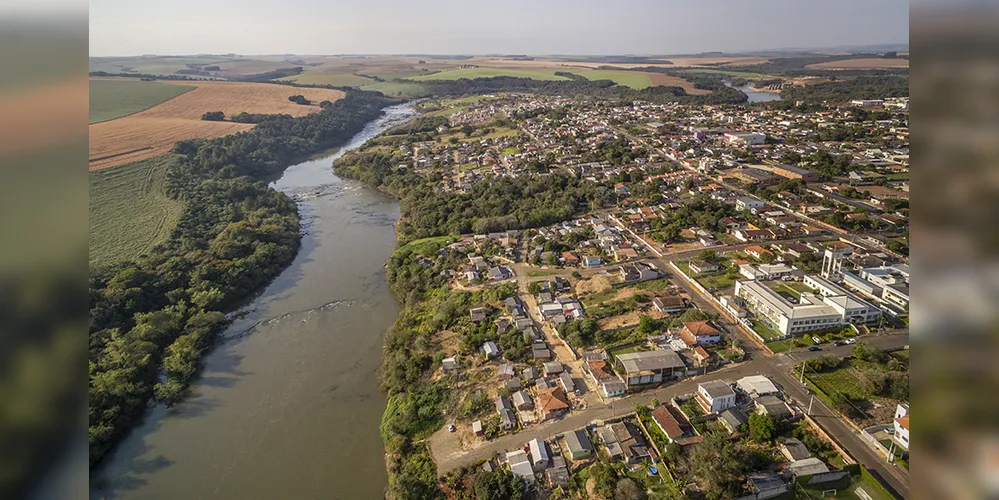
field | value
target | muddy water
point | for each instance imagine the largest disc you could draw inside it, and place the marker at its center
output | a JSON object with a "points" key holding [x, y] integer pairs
{"points": [[287, 406]]}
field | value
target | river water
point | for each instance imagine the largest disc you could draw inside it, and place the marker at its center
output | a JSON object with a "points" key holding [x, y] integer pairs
{"points": [[288, 405], [756, 95]]}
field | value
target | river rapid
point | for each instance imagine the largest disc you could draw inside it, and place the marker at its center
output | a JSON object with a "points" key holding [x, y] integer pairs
{"points": [[288, 404]]}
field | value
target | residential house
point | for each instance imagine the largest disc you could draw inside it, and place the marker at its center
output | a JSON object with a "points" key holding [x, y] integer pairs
{"points": [[773, 407], [477, 314], [592, 261], [570, 259], [702, 356], [450, 365], [477, 428], [668, 304], [747, 202], [699, 333], [566, 381], [529, 374], [505, 372], [765, 485], [756, 386], [522, 400], [553, 368], [558, 474], [715, 396], [520, 465], [794, 450], [732, 419], [490, 349], [669, 420], [552, 402], [650, 367], [702, 266], [578, 444], [512, 384], [629, 440], [758, 251], [808, 467], [621, 254], [901, 423], [540, 455]]}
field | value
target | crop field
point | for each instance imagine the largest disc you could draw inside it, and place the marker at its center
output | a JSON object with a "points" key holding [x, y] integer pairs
{"points": [[110, 99], [634, 79], [159, 65], [335, 79], [153, 132], [471, 73], [129, 212], [723, 72], [871, 63], [397, 88]]}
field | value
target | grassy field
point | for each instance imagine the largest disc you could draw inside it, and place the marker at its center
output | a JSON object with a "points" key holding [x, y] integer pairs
{"points": [[764, 330], [398, 88], [110, 99], [633, 79], [129, 213], [471, 73], [543, 272], [335, 79]]}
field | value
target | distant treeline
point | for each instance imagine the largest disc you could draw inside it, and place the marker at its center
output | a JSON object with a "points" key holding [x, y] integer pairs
{"points": [[797, 66], [607, 89], [151, 319], [269, 75], [148, 77], [861, 87]]}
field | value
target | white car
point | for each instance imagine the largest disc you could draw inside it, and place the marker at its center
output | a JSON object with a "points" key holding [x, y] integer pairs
{"points": [[851, 341]]}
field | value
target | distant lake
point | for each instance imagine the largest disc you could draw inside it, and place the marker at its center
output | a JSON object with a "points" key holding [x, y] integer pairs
{"points": [[755, 95]]}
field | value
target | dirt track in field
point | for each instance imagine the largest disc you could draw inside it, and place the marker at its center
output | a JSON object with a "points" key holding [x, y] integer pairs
{"points": [[154, 131]]}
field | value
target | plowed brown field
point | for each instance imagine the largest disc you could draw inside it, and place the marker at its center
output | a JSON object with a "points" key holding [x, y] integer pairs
{"points": [[676, 81], [154, 131], [872, 63]]}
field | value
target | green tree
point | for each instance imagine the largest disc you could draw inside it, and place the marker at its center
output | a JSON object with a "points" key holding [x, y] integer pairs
{"points": [[708, 255], [499, 484], [716, 464], [762, 428]]}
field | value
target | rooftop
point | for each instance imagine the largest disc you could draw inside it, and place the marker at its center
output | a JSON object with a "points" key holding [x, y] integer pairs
{"points": [[634, 362], [717, 388]]}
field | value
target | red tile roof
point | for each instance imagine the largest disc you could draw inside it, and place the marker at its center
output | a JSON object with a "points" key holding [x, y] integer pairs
{"points": [[667, 422]]}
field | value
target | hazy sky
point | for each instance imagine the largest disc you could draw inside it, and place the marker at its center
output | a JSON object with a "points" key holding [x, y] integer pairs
{"points": [[131, 27]]}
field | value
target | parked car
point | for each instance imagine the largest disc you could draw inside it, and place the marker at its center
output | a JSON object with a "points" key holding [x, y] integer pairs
{"points": [[851, 341], [814, 348], [839, 342], [816, 339], [787, 278]]}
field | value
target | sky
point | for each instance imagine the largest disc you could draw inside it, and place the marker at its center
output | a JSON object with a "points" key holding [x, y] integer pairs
{"points": [[536, 27]]}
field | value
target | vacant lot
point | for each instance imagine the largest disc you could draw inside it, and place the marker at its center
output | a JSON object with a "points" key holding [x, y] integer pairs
{"points": [[154, 131], [872, 63], [129, 212], [110, 99]]}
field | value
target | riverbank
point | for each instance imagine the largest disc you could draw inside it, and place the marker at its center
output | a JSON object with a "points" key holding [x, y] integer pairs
{"points": [[286, 403], [153, 318]]}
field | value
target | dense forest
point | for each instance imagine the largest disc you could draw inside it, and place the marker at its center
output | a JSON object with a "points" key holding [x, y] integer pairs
{"points": [[607, 89], [151, 319], [861, 87], [493, 205]]}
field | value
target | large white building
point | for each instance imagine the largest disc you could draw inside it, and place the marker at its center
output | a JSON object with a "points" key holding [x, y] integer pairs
{"points": [[890, 284], [830, 306], [747, 138]]}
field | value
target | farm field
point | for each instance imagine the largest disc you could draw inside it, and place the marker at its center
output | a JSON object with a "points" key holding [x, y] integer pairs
{"points": [[397, 88], [743, 74], [153, 132], [335, 79], [471, 73], [110, 99], [871, 63], [634, 79], [129, 212]]}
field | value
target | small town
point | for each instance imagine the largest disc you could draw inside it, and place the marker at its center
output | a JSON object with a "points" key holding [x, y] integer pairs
{"points": [[749, 286]]}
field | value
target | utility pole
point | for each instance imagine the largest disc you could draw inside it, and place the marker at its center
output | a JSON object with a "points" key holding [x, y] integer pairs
{"points": [[801, 380], [810, 401]]}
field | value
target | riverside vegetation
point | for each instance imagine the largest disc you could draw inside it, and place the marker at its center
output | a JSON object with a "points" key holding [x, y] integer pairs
{"points": [[153, 317]]}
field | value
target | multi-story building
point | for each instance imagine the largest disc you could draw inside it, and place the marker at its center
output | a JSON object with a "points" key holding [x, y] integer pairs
{"points": [[829, 307]]}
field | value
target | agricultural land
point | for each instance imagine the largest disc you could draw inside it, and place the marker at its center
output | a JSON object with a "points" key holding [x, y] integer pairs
{"points": [[129, 211], [153, 132], [110, 99]]}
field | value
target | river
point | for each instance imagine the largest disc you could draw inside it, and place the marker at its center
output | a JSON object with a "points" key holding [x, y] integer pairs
{"points": [[288, 404], [756, 95]]}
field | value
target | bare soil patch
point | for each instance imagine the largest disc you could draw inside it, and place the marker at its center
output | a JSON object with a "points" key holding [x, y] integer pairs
{"points": [[596, 284], [154, 131]]}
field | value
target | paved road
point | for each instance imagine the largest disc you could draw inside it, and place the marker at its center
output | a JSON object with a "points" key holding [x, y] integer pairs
{"points": [[449, 455]]}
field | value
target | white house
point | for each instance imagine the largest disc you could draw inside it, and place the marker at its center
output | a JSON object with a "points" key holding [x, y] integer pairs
{"points": [[747, 203], [715, 396], [902, 425]]}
